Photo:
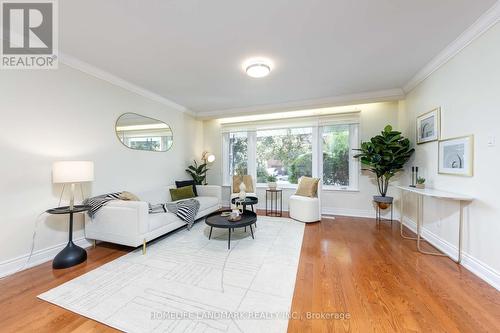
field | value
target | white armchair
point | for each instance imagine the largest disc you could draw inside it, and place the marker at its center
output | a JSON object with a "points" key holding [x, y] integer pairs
{"points": [[305, 209]]}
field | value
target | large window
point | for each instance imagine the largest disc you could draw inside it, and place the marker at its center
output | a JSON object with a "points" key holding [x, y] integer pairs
{"points": [[285, 154], [238, 153], [336, 155], [323, 150]]}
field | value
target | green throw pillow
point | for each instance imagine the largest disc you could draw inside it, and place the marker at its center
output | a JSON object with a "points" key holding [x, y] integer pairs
{"points": [[180, 193]]}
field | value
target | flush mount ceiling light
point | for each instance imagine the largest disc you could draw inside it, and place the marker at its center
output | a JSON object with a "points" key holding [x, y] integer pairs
{"points": [[258, 67]]}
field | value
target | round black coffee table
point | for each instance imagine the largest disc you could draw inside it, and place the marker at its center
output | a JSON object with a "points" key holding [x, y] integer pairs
{"points": [[215, 220], [72, 254], [250, 201]]}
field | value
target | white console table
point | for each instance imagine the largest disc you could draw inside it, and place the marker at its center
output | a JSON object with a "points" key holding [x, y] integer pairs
{"points": [[429, 192]]}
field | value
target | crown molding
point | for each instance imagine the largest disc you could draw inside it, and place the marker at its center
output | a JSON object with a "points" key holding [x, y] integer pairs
{"points": [[117, 81], [483, 24], [480, 26], [366, 97]]}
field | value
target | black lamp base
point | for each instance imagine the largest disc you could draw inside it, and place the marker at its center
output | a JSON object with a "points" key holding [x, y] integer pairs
{"points": [[70, 256]]}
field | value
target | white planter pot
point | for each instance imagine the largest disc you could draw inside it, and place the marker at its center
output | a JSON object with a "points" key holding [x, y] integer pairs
{"points": [[272, 185]]}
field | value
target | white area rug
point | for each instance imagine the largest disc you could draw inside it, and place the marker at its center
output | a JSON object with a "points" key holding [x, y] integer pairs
{"points": [[187, 283]]}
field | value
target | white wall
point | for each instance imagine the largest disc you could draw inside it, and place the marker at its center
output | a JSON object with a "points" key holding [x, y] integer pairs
{"points": [[65, 114], [374, 117], [467, 89]]}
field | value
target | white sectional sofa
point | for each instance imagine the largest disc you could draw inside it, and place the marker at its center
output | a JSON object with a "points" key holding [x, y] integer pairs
{"points": [[129, 222]]}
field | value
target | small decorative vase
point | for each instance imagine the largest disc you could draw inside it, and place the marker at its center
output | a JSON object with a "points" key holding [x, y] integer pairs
{"points": [[272, 185], [420, 186], [243, 194], [240, 207]]}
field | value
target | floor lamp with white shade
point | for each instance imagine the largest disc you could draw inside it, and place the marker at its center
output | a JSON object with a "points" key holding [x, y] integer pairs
{"points": [[207, 158]]}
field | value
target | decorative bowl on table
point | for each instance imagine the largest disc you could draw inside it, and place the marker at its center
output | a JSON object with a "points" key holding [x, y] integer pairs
{"points": [[234, 218]]}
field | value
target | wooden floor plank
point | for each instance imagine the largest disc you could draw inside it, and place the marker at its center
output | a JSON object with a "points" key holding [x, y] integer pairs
{"points": [[348, 266], [386, 285]]}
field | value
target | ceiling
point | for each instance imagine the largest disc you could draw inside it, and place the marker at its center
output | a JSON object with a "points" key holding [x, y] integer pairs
{"points": [[190, 51]]}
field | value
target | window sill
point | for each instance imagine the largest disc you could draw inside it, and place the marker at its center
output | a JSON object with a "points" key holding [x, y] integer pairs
{"points": [[324, 188], [280, 186], [339, 189]]}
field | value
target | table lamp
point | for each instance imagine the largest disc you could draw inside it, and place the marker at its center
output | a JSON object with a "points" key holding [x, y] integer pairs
{"points": [[72, 172]]}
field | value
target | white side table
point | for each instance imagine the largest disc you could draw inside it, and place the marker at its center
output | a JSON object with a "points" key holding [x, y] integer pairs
{"points": [[429, 192]]}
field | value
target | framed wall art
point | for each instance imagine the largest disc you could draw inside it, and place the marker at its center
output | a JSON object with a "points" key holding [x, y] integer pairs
{"points": [[456, 156], [429, 126]]}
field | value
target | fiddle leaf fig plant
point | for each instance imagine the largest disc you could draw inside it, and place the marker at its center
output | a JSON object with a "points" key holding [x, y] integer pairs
{"points": [[385, 155]]}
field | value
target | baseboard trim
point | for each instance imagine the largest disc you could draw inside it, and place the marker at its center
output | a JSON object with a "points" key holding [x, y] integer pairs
{"points": [[475, 266], [41, 256], [366, 213], [330, 211]]}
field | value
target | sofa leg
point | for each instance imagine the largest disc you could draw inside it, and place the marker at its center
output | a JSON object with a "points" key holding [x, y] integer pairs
{"points": [[144, 246], [94, 244]]}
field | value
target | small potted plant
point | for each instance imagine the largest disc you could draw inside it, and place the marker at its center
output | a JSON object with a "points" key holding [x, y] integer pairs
{"points": [[420, 182], [271, 182]]}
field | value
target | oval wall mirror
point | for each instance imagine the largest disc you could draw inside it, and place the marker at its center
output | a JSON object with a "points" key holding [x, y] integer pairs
{"points": [[143, 133]]}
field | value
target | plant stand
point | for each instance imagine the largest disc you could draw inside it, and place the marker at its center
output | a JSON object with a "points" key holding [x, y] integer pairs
{"points": [[274, 196], [380, 201]]}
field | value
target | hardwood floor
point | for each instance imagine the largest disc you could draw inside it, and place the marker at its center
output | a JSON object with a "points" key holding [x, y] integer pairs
{"points": [[22, 311], [348, 267], [370, 274]]}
